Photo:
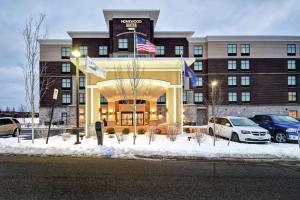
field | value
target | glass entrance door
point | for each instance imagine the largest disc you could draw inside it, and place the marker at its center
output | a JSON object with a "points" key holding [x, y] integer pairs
{"points": [[127, 119]]}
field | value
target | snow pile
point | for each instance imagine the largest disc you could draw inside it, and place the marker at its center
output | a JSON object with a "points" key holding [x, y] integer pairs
{"points": [[161, 147]]}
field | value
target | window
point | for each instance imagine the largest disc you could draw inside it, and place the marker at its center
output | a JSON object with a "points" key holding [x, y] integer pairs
{"points": [[66, 98], [199, 82], [245, 49], [160, 50], [232, 97], [291, 49], [245, 97], [103, 50], [127, 119], [245, 65], [293, 113], [178, 50], [231, 80], [198, 51], [231, 64], [83, 51], [245, 80], [184, 97], [65, 52], [82, 82], [292, 96], [162, 99], [198, 65], [123, 43], [291, 80], [198, 97], [65, 68], [103, 100], [291, 65], [231, 49], [64, 117], [81, 98], [66, 83]]}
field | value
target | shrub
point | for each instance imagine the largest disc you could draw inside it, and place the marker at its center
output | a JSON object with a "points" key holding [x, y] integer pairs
{"points": [[73, 131], [158, 131], [125, 131], [187, 130], [141, 131], [110, 131]]}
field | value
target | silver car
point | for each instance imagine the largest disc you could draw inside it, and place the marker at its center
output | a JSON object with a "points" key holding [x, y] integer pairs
{"points": [[9, 126]]}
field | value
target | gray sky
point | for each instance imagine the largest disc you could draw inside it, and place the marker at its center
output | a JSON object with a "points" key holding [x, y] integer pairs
{"points": [[205, 17]]}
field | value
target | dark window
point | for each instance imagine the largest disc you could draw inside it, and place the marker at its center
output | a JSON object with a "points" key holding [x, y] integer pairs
{"points": [[81, 98], [5, 121], [103, 100], [82, 82], [291, 49], [162, 99], [65, 52], [231, 49], [245, 49], [16, 121]]}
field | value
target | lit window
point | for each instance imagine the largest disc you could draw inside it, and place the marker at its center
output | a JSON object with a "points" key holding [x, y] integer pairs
{"points": [[198, 51], [245, 80], [82, 82], [83, 51], [245, 49], [160, 50], [66, 83], [291, 49], [245, 97], [293, 113], [66, 99], [81, 98], [103, 50], [65, 68], [231, 80], [245, 64], [292, 96], [231, 49], [178, 50], [291, 80], [64, 117], [231, 64], [199, 82], [162, 99], [232, 97], [291, 64], [65, 52], [198, 65], [123, 43], [198, 97]]}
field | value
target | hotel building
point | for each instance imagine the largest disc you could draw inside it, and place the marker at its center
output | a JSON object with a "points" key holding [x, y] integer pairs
{"points": [[255, 74]]}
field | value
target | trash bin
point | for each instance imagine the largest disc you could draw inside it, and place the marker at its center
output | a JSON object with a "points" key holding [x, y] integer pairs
{"points": [[99, 132]]}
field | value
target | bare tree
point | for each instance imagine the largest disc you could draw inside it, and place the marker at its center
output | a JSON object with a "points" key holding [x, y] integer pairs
{"points": [[133, 73], [151, 133], [32, 32]]}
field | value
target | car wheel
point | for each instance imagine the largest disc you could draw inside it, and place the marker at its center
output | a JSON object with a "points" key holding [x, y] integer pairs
{"points": [[235, 137], [210, 132], [280, 137]]}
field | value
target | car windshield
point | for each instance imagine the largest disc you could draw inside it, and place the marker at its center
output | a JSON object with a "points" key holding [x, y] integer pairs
{"points": [[284, 119], [16, 121], [242, 122]]}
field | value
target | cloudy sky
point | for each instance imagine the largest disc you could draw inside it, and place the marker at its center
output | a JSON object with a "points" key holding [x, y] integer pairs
{"points": [[205, 17]]}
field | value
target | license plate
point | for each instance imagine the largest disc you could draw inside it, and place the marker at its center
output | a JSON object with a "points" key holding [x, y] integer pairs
{"points": [[260, 138]]}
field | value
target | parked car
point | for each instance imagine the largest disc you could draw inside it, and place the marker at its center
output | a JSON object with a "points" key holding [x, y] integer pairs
{"points": [[9, 126], [238, 129], [281, 127]]}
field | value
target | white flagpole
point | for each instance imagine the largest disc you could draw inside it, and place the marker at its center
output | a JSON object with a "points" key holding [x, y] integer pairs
{"points": [[182, 87]]}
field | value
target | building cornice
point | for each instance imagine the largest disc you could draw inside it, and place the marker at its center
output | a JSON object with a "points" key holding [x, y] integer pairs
{"points": [[173, 34], [88, 34], [253, 38], [55, 42]]}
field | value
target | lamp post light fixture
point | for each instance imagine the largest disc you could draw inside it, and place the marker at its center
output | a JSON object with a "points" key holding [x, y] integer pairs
{"points": [[76, 54], [213, 84]]}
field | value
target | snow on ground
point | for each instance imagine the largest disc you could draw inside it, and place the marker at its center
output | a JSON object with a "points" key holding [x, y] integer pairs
{"points": [[160, 147]]}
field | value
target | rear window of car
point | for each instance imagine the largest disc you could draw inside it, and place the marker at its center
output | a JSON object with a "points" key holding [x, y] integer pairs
{"points": [[5, 121], [16, 121]]}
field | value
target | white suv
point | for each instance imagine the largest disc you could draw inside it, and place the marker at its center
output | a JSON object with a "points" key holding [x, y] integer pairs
{"points": [[238, 129]]}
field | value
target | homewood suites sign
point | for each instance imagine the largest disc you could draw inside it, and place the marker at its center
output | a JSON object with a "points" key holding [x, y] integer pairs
{"points": [[131, 23]]}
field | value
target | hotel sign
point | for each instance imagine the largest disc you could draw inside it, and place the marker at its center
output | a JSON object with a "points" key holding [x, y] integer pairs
{"points": [[131, 23]]}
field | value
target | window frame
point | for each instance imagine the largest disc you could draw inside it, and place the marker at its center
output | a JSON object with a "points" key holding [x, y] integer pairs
{"points": [[245, 62], [196, 69], [103, 50], [230, 47], [69, 83], [231, 62], [247, 81], [64, 53], [84, 50], [123, 44], [80, 81], [196, 97], [81, 96], [176, 50], [63, 67], [197, 81], [160, 50], [293, 98], [62, 99], [247, 47], [246, 100], [290, 63], [292, 83], [198, 52], [236, 97], [289, 48], [231, 81]]}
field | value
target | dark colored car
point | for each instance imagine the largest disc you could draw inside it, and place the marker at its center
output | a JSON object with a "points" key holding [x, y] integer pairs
{"points": [[281, 127]]}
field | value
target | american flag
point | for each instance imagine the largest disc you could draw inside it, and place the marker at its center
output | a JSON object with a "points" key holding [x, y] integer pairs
{"points": [[144, 46]]}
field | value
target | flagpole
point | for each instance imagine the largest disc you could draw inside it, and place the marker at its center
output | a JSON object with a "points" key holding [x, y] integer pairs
{"points": [[182, 87]]}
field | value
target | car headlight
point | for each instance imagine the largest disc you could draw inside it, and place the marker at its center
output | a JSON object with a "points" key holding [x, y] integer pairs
{"points": [[291, 130], [245, 132]]}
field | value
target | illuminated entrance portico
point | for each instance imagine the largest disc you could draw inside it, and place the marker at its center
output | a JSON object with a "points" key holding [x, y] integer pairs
{"points": [[159, 76]]}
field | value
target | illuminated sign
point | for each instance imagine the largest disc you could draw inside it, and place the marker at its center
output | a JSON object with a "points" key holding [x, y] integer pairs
{"points": [[131, 23]]}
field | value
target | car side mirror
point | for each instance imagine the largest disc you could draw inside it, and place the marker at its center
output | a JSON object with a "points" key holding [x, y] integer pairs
{"points": [[227, 124]]}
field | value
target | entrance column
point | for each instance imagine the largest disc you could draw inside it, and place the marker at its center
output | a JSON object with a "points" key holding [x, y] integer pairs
{"points": [[174, 106], [95, 105]]}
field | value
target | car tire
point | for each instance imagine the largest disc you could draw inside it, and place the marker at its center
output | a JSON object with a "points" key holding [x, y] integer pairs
{"points": [[15, 133], [280, 137], [235, 137], [210, 132]]}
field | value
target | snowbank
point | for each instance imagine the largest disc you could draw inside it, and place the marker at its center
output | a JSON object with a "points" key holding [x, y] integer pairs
{"points": [[160, 147]]}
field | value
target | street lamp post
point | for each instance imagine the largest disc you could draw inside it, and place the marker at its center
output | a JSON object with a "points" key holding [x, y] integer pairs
{"points": [[213, 102], [76, 54]]}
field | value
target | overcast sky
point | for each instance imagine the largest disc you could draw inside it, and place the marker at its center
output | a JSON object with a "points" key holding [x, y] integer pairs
{"points": [[205, 17]]}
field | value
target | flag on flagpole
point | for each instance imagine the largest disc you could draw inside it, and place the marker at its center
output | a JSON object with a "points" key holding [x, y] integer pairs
{"points": [[188, 72], [93, 68], [144, 46]]}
